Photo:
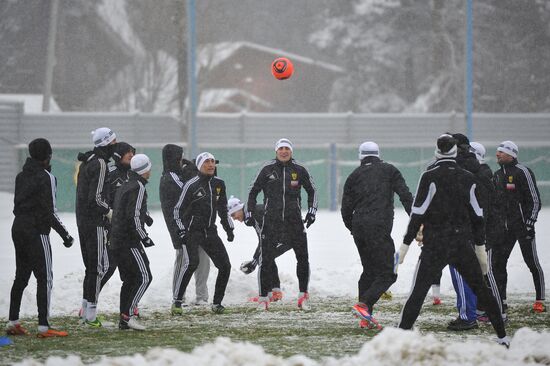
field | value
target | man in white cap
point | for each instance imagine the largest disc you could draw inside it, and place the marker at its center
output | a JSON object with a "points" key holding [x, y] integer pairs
{"points": [[236, 209], [518, 200], [93, 214], [446, 204], [281, 181], [129, 237], [201, 198], [367, 211]]}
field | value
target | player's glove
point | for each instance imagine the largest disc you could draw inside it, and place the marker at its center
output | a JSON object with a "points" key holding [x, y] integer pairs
{"points": [[248, 266], [109, 215], [529, 230], [68, 241], [310, 219], [248, 219], [148, 220], [147, 242], [230, 236], [481, 255], [182, 233]]}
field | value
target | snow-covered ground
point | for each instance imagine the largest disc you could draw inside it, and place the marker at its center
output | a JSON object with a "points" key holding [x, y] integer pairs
{"points": [[335, 268]]}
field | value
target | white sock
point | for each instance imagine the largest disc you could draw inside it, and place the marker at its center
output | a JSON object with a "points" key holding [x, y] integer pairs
{"points": [[43, 328], [91, 312], [275, 289], [13, 323], [436, 291]]}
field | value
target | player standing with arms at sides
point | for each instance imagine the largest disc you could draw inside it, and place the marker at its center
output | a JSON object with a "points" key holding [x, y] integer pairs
{"points": [[202, 197], [93, 215], [518, 202], [35, 216], [446, 204], [368, 212], [281, 181], [129, 238]]}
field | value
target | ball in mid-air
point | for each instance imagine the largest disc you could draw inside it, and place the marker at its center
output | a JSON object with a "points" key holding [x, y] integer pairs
{"points": [[282, 68]]}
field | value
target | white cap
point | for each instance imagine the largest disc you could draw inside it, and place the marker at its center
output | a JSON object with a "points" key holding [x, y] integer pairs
{"points": [[103, 136], [368, 148], [283, 143], [233, 205], [140, 164], [202, 157], [479, 150], [508, 147]]}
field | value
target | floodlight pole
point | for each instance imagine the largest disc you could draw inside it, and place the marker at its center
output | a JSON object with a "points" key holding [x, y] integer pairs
{"points": [[469, 70], [50, 57], [191, 80]]}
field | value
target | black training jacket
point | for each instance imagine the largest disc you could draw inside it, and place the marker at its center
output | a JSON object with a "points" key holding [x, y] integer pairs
{"points": [[173, 178], [281, 183], [34, 200], [517, 195], [91, 189], [369, 193], [118, 174], [202, 197], [129, 213], [447, 205]]}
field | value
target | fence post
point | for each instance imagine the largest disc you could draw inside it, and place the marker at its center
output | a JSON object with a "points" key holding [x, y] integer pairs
{"points": [[333, 177]]}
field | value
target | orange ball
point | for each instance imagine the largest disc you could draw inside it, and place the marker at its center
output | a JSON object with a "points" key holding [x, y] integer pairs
{"points": [[282, 68]]}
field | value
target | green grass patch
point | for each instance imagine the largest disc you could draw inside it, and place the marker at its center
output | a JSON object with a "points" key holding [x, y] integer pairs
{"points": [[328, 329]]}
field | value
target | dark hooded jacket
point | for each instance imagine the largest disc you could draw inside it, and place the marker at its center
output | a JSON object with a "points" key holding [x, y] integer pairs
{"points": [[34, 200], [174, 176], [118, 172], [91, 189]]}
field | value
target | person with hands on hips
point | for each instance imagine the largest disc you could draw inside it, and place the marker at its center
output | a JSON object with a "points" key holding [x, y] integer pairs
{"points": [[202, 197]]}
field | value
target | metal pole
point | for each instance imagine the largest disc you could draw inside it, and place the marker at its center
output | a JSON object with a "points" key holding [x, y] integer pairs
{"points": [[50, 57], [469, 69], [191, 79], [333, 156]]}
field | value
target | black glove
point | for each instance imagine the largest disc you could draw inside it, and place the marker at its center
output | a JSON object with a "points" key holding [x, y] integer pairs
{"points": [[147, 242], [148, 220], [248, 219], [310, 219], [182, 233], [68, 241], [230, 236], [529, 231]]}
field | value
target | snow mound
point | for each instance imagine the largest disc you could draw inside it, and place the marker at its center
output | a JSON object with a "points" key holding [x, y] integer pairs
{"points": [[391, 347]]}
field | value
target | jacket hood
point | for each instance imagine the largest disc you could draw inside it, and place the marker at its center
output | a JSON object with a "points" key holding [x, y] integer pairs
{"points": [[171, 158], [84, 156], [33, 165]]}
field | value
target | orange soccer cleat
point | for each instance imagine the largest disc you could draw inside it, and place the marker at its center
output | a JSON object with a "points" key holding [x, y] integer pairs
{"points": [[52, 333]]}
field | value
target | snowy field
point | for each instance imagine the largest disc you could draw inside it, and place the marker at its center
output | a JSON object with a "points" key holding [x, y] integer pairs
{"points": [[335, 268]]}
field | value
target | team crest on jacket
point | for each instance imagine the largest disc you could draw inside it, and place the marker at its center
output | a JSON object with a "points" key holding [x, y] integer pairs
{"points": [[510, 185], [510, 179], [294, 180], [294, 175], [218, 190]]}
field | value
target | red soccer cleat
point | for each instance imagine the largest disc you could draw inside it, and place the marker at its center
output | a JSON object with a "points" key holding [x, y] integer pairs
{"points": [[15, 330]]}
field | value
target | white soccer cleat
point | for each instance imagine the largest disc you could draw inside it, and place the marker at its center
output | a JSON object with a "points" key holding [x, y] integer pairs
{"points": [[134, 324]]}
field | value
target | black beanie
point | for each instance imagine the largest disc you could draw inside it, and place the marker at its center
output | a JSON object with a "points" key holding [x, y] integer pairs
{"points": [[461, 139], [120, 149], [40, 149]]}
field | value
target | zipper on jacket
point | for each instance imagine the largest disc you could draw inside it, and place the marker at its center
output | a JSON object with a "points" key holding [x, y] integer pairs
{"points": [[284, 191], [211, 197]]}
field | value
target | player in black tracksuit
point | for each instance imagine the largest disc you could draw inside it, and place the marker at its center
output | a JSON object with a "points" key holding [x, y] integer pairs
{"points": [[518, 203], [176, 172], [35, 215], [447, 206], [118, 174], [92, 218], [281, 181], [368, 212], [129, 238], [202, 197]]}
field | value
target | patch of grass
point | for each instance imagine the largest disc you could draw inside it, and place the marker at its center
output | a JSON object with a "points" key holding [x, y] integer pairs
{"points": [[328, 329]]}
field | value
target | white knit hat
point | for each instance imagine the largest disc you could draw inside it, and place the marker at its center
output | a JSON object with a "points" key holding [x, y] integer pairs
{"points": [[140, 164], [368, 148], [103, 136], [202, 157], [233, 205], [283, 143], [508, 147], [479, 150]]}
